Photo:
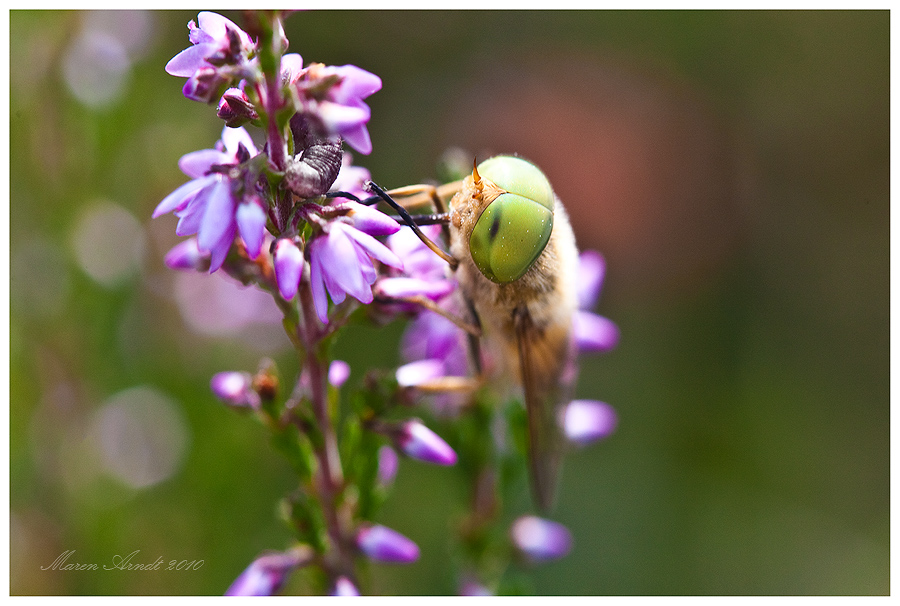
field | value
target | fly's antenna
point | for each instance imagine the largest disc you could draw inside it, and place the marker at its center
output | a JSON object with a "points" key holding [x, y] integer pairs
{"points": [[347, 195], [476, 180], [432, 219], [450, 259]]}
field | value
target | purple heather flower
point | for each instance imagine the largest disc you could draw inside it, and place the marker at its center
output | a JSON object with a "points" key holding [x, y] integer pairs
{"points": [[235, 389], [418, 442], [425, 273], [338, 372], [593, 333], [386, 545], [207, 206], [540, 539], [217, 44], [388, 462], [344, 587], [267, 574], [340, 259], [432, 336], [333, 95], [186, 256], [288, 261], [419, 261], [585, 421], [441, 344]]}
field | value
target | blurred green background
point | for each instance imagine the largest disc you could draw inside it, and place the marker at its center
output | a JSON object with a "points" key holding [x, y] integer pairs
{"points": [[733, 167]]}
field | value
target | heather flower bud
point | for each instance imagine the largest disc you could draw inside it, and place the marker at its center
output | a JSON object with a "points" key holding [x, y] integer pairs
{"points": [[591, 271], [186, 256], [385, 545], [235, 389], [387, 465], [540, 539], [288, 267], [585, 421], [473, 588], [267, 574], [402, 288], [417, 441], [369, 220], [594, 333], [235, 108], [344, 587], [421, 371], [338, 372], [285, 43], [265, 381]]}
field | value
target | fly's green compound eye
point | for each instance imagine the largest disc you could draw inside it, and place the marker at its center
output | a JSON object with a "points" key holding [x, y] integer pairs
{"points": [[509, 236], [514, 229], [518, 176]]}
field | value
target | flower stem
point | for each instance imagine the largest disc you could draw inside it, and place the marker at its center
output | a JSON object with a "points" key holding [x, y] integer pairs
{"points": [[329, 477], [270, 60]]}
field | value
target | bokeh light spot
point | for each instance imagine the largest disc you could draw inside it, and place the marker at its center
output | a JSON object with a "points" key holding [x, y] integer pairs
{"points": [[141, 436], [96, 68], [109, 243]]}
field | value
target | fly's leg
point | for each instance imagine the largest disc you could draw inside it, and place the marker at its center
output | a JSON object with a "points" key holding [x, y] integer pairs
{"points": [[417, 194], [407, 218]]}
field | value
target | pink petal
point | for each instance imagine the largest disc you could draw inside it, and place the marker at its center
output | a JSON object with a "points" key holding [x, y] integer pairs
{"points": [[358, 138], [185, 63], [291, 66], [375, 248], [182, 196], [215, 24], [219, 250], [288, 261], [320, 299], [218, 217], [233, 137], [190, 217], [251, 220], [370, 220], [357, 84], [339, 257], [196, 164]]}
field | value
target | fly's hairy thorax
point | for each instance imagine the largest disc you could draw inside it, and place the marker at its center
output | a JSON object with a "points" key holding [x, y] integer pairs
{"points": [[547, 290]]}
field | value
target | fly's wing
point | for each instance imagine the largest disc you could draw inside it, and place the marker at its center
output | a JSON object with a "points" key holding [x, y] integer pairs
{"points": [[544, 359]]}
